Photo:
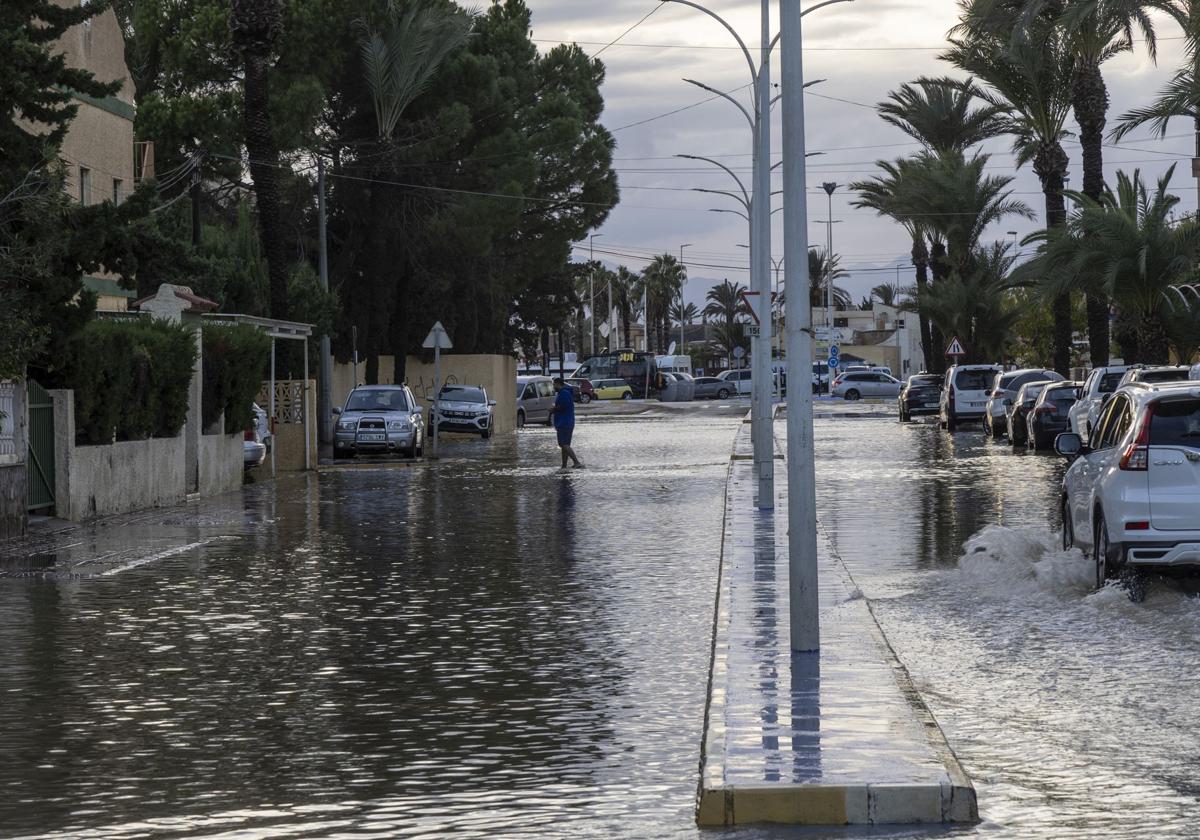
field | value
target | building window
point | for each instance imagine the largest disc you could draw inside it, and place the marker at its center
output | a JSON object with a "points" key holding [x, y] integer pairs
{"points": [[85, 185], [118, 190]]}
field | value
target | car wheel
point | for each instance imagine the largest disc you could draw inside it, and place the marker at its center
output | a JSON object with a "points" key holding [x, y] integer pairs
{"points": [[585, 398], [994, 429], [852, 395], [1102, 553], [485, 434], [1068, 527], [723, 394], [1134, 582], [951, 423], [419, 448], [520, 419], [627, 396]]}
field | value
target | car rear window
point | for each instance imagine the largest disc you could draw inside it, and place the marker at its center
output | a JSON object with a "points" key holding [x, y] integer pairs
{"points": [[973, 380], [1176, 423], [1164, 375], [1063, 397], [1110, 381]]}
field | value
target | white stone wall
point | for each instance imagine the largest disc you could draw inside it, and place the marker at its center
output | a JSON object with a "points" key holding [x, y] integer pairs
{"points": [[132, 475], [221, 463]]}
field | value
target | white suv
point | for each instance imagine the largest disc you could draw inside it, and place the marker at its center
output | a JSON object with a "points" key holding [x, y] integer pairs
{"points": [[1101, 382], [1132, 497], [965, 394]]}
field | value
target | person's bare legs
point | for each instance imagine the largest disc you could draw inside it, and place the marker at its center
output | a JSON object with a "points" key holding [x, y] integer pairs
{"points": [[568, 452]]}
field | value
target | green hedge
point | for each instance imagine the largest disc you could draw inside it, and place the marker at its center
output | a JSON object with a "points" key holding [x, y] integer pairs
{"points": [[130, 379], [235, 363]]}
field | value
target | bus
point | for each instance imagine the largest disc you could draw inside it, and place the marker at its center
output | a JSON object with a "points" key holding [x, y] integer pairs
{"points": [[637, 369]]}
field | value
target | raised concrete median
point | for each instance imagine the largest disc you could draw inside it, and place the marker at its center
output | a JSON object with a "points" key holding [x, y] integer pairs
{"points": [[836, 738]]}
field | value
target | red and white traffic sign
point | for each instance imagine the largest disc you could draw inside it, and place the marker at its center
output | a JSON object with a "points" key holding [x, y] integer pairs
{"points": [[752, 303], [955, 349]]}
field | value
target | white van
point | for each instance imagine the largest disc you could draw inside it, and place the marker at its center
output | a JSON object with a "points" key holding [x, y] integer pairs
{"points": [[965, 394], [674, 364]]}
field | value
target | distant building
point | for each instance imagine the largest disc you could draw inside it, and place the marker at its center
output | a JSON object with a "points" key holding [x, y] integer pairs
{"points": [[882, 335], [103, 162]]}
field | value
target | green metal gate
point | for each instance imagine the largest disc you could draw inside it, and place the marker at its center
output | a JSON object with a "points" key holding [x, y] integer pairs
{"points": [[41, 448]]}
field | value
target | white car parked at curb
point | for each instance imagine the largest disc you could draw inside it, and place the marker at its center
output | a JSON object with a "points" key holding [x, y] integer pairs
{"points": [[1101, 382], [1131, 497]]}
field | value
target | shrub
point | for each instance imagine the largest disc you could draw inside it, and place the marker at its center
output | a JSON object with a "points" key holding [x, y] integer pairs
{"points": [[235, 361], [130, 379]]}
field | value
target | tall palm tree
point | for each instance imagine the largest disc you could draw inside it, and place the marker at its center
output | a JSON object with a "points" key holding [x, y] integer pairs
{"points": [[625, 296], [661, 282], [725, 302], [256, 26], [888, 294], [977, 307], [1095, 30], [1128, 241], [1031, 78], [824, 271], [682, 313]]}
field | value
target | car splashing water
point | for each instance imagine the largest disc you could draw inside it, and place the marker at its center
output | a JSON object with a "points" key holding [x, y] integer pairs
{"points": [[1074, 710]]}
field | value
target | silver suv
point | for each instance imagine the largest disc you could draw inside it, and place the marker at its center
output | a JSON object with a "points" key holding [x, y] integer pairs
{"points": [[379, 418], [1131, 497]]}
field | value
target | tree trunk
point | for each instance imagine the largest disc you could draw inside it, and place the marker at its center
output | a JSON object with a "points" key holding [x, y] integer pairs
{"points": [[1152, 340], [1050, 163], [264, 171], [1089, 97], [920, 258]]}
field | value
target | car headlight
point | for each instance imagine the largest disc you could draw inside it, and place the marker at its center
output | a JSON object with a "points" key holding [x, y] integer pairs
{"points": [[347, 425], [397, 425]]}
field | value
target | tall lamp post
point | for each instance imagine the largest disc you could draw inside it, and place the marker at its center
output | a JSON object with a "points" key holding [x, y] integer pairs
{"points": [[829, 187], [682, 283], [592, 288]]}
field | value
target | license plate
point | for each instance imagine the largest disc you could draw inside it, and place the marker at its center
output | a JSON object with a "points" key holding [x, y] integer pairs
{"points": [[932, 405], [372, 438], [977, 405]]}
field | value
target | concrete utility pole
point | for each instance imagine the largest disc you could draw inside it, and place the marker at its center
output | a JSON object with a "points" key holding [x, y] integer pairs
{"points": [[592, 287], [760, 279], [682, 283], [829, 187], [803, 610], [325, 386]]}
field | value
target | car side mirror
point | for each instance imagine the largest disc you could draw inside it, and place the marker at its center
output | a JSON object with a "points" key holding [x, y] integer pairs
{"points": [[491, 402], [1068, 445], [337, 409]]}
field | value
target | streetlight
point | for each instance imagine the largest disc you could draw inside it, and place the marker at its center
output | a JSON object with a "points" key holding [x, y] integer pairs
{"points": [[592, 287], [1013, 234], [682, 282], [829, 187]]}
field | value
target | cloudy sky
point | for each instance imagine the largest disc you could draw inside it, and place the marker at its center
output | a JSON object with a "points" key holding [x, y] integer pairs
{"points": [[863, 49]]}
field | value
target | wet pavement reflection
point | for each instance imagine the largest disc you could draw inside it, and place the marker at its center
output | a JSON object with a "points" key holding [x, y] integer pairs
{"points": [[1073, 710]]}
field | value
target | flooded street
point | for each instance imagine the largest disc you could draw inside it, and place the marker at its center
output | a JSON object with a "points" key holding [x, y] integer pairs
{"points": [[484, 647], [1074, 711]]}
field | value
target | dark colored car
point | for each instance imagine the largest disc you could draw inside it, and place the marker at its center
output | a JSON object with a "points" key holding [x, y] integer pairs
{"points": [[585, 392], [711, 388], [1051, 414], [921, 394], [1018, 412]]}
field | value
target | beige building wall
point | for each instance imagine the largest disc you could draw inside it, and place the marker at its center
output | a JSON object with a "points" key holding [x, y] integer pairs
{"points": [[100, 139]]}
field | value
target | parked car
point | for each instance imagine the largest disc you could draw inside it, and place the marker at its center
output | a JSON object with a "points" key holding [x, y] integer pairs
{"points": [[1050, 414], [711, 388], [613, 389], [1160, 373], [462, 408], [535, 398], [379, 418], [255, 439], [739, 381], [964, 395], [855, 386], [1101, 382], [1004, 390], [1131, 497], [1019, 410], [584, 392], [921, 394]]}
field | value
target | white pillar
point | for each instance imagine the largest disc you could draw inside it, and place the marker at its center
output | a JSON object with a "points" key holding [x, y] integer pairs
{"points": [[802, 495], [760, 277]]}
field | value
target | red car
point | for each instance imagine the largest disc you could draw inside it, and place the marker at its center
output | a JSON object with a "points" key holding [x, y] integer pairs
{"points": [[584, 392]]}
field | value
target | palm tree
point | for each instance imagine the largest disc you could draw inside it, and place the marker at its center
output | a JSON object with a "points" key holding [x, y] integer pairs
{"points": [[1096, 30], [661, 282], [256, 26], [684, 313], [822, 272], [625, 296], [1126, 240], [725, 302], [977, 307], [1031, 78], [887, 293]]}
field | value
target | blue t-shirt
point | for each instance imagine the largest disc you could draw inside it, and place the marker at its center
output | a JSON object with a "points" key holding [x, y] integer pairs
{"points": [[564, 408]]}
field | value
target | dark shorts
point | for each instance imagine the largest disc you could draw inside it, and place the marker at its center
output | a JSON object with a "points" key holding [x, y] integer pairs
{"points": [[564, 435]]}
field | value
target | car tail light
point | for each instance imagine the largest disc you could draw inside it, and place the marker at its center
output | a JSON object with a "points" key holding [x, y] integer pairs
{"points": [[249, 434], [1137, 526], [950, 394], [1136, 457], [1046, 409]]}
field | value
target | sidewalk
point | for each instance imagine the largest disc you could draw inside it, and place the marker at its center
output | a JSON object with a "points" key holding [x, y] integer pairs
{"points": [[835, 738]]}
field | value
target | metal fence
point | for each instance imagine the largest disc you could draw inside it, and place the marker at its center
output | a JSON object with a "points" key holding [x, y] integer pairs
{"points": [[8, 419]]}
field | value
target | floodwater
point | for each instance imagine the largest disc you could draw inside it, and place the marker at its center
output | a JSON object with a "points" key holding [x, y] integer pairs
{"points": [[1074, 711], [485, 647]]}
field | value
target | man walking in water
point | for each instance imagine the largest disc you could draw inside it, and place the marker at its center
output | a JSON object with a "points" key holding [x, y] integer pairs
{"points": [[564, 421]]}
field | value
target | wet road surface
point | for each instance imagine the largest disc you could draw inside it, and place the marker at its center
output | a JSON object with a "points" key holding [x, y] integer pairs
{"points": [[484, 647]]}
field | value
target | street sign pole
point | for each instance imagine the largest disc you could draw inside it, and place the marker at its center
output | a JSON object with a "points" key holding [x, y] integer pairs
{"points": [[437, 339], [801, 474]]}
